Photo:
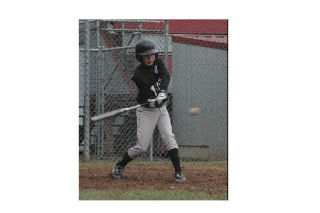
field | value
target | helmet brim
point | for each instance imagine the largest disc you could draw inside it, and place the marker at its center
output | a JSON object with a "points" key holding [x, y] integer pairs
{"points": [[149, 52]]}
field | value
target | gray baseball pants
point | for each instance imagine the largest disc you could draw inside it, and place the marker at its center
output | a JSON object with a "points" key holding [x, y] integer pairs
{"points": [[147, 120]]}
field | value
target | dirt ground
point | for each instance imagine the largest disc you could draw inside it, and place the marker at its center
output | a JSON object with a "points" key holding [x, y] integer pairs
{"points": [[211, 179]]}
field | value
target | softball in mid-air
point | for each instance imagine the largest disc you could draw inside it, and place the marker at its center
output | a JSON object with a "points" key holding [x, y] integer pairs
{"points": [[194, 111]]}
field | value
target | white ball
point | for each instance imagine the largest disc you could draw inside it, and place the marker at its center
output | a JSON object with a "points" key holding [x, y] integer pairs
{"points": [[194, 111]]}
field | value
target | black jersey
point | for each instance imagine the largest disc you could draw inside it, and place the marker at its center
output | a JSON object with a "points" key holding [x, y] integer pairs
{"points": [[150, 80]]}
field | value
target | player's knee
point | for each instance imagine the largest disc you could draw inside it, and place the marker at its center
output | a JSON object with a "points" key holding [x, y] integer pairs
{"points": [[138, 151]]}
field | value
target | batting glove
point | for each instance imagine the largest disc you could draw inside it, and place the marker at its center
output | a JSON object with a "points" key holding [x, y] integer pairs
{"points": [[161, 96]]}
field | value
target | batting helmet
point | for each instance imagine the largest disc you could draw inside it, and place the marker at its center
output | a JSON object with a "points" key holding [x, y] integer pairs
{"points": [[145, 47]]}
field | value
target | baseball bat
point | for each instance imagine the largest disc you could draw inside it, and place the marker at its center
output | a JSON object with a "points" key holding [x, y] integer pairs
{"points": [[116, 112]]}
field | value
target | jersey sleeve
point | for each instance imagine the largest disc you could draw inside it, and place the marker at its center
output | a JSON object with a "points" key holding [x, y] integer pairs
{"points": [[163, 75]]}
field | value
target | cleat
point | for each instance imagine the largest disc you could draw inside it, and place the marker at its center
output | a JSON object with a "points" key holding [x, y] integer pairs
{"points": [[179, 177], [117, 172]]}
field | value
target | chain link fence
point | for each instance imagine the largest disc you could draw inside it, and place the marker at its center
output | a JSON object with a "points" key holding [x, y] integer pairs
{"points": [[195, 52]]}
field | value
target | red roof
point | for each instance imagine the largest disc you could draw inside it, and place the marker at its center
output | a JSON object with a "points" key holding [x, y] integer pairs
{"points": [[198, 26], [185, 26], [217, 42]]}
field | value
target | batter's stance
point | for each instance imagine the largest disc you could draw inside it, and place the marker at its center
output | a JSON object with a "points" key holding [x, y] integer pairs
{"points": [[152, 79]]}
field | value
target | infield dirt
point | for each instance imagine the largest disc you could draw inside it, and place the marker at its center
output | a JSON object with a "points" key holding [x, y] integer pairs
{"points": [[207, 178]]}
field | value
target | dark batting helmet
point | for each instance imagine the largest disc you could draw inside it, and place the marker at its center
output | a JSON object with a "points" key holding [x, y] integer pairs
{"points": [[145, 47]]}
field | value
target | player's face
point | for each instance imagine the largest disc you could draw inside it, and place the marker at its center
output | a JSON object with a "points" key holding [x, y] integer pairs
{"points": [[148, 59]]}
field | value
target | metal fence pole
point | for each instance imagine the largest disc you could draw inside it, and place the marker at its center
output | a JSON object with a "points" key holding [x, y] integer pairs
{"points": [[103, 144], [140, 28], [87, 95], [123, 33], [99, 93], [166, 43], [151, 150]]}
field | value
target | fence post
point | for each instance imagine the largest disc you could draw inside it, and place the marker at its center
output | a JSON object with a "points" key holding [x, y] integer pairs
{"points": [[123, 33], [87, 95], [99, 150], [166, 43], [151, 150]]}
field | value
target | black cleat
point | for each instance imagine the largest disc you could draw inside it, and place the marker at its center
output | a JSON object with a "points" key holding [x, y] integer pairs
{"points": [[117, 172]]}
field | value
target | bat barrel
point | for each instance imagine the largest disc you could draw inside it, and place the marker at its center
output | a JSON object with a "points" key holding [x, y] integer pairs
{"points": [[106, 115], [112, 113]]}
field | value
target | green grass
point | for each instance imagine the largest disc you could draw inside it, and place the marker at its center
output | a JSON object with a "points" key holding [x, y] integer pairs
{"points": [[145, 194]]}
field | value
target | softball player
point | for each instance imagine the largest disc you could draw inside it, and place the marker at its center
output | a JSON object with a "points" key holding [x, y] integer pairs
{"points": [[152, 79]]}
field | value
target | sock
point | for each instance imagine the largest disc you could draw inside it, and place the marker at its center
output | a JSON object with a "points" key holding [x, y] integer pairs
{"points": [[125, 160], [174, 157]]}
